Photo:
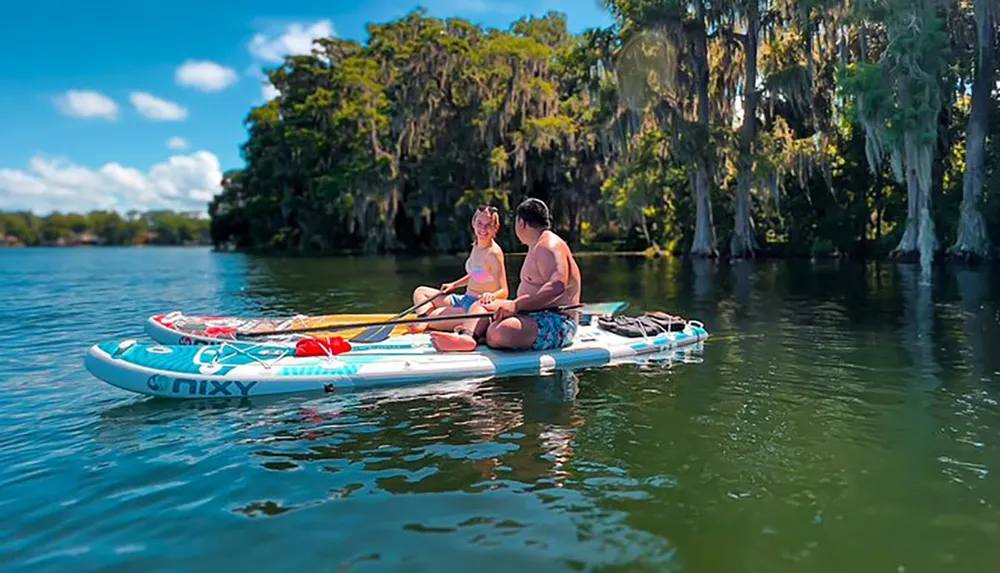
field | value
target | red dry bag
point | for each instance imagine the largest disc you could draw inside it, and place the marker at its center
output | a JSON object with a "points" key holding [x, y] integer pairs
{"points": [[321, 346]]}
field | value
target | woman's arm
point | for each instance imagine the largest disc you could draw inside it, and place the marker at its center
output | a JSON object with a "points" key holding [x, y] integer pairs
{"points": [[464, 281]]}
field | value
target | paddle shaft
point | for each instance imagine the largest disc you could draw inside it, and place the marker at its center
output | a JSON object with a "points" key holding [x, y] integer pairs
{"points": [[418, 305], [381, 332], [336, 327]]}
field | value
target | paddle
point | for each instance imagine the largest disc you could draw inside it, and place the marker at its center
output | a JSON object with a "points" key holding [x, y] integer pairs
{"points": [[407, 321], [381, 332]]}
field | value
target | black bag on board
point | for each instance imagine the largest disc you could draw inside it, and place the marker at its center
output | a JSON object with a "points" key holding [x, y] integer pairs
{"points": [[649, 324]]}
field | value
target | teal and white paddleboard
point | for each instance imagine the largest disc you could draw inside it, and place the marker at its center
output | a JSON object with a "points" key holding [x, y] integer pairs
{"points": [[246, 369]]}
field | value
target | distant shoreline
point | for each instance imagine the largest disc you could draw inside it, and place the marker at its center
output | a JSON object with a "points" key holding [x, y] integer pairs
{"points": [[772, 253], [578, 251], [103, 229], [650, 254]]}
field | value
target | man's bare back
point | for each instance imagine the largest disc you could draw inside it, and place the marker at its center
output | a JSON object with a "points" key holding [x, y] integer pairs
{"points": [[550, 258]]}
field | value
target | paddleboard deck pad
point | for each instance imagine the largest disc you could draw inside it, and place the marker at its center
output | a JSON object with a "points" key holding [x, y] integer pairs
{"points": [[178, 328], [246, 369]]}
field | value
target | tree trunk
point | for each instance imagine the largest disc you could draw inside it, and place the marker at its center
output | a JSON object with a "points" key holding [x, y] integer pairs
{"points": [[574, 217], [389, 240], [703, 243], [916, 157], [972, 241], [645, 229], [907, 246], [744, 243], [920, 237]]}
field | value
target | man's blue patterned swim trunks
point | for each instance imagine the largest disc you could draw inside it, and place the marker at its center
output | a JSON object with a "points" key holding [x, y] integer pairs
{"points": [[555, 330]]}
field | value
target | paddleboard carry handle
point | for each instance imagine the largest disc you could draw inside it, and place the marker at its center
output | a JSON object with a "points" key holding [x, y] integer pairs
{"points": [[123, 346]]}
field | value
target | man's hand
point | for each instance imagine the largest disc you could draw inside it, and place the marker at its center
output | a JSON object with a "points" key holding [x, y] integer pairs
{"points": [[501, 309]]}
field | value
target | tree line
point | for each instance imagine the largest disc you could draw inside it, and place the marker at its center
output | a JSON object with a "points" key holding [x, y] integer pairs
{"points": [[705, 127], [104, 228]]}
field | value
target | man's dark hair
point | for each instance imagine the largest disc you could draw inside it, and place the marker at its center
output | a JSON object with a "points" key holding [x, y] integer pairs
{"points": [[534, 213]]}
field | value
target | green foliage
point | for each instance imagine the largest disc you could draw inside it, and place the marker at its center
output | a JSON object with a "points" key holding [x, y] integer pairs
{"points": [[104, 228], [390, 144]]}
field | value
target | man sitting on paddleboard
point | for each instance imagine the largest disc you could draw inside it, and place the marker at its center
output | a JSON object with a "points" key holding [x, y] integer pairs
{"points": [[550, 278]]}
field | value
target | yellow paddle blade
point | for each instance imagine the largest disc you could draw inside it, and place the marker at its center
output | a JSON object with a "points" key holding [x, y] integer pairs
{"points": [[338, 319]]}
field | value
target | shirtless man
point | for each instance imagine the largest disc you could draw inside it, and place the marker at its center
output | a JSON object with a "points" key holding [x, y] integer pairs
{"points": [[550, 277]]}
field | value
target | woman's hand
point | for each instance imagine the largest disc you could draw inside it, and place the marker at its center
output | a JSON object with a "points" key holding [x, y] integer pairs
{"points": [[487, 298], [447, 287]]}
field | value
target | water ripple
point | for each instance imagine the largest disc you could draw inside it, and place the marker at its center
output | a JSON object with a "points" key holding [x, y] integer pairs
{"points": [[841, 419]]}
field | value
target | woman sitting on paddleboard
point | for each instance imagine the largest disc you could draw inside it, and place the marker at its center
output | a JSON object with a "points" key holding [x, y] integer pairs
{"points": [[485, 278]]}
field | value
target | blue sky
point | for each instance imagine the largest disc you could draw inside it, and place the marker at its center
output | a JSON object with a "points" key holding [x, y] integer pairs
{"points": [[119, 105]]}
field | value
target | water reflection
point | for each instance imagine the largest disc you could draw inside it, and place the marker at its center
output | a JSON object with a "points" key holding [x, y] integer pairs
{"points": [[976, 318], [918, 325], [493, 431], [477, 422], [702, 280], [496, 440], [743, 278]]}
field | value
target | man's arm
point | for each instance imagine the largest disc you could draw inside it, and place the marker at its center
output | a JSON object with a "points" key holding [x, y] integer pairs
{"points": [[554, 267]]}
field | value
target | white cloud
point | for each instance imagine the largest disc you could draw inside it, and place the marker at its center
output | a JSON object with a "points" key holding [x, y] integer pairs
{"points": [[182, 182], [295, 39], [87, 104], [157, 109], [268, 92], [205, 76], [177, 143]]}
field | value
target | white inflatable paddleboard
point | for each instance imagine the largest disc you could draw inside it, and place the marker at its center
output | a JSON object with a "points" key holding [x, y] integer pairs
{"points": [[245, 369]]}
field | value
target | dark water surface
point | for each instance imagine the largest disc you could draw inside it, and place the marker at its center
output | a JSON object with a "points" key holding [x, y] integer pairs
{"points": [[843, 418]]}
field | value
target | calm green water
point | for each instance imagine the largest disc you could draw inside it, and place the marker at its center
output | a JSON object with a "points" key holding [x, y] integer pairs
{"points": [[843, 418]]}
